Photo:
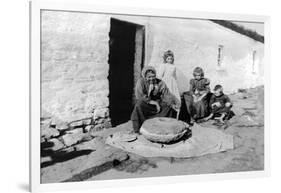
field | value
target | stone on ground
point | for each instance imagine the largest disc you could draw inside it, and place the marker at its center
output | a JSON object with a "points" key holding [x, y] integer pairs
{"points": [[49, 132], [57, 144], [163, 129], [71, 139]]}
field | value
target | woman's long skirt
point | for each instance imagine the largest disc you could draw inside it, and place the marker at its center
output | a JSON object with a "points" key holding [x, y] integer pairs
{"points": [[196, 110], [143, 111]]}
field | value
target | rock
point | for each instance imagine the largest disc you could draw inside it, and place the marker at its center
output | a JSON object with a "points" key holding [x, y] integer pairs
{"points": [[75, 131], [98, 127], [88, 128], [99, 121], [87, 137], [45, 121], [87, 121], [69, 118], [48, 132], [71, 139], [107, 124], [57, 144], [62, 127], [100, 113], [82, 122], [163, 129], [42, 140], [56, 121], [76, 123], [93, 144]]}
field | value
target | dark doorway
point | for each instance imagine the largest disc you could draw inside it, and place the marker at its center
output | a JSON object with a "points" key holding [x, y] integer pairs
{"points": [[125, 63]]}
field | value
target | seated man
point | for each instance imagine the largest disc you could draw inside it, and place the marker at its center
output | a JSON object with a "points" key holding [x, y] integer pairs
{"points": [[153, 99]]}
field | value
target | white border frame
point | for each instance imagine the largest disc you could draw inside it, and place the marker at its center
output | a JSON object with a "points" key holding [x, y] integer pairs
{"points": [[36, 6]]}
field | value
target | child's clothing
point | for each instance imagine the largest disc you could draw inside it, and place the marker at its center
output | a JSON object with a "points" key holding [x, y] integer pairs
{"points": [[198, 109], [218, 111], [167, 73], [202, 84]]}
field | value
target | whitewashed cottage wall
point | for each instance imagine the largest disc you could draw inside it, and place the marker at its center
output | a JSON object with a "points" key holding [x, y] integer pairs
{"points": [[75, 51]]}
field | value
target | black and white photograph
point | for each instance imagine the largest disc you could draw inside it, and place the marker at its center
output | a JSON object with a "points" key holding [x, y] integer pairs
{"points": [[133, 96]]}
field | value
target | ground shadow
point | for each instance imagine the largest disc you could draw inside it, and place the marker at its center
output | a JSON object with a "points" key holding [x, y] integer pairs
{"points": [[136, 165], [88, 173], [62, 156]]}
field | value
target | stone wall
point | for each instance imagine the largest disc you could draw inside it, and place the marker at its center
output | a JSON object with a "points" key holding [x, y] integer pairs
{"points": [[74, 67]]}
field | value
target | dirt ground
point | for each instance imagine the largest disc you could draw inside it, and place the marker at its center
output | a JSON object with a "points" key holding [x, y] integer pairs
{"points": [[247, 127], [94, 160]]}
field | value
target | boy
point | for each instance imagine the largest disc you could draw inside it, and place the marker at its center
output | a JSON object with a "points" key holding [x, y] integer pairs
{"points": [[220, 105]]}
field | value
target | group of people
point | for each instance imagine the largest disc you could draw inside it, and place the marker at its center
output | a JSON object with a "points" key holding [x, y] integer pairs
{"points": [[158, 95]]}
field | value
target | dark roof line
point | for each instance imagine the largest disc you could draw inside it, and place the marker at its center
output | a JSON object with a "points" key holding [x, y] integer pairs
{"points": [[240, 29]]}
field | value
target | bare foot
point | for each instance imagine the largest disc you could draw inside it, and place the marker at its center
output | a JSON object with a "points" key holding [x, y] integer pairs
{"points": [[192, 121], [208, 118], [132, 132], [220, 119]]}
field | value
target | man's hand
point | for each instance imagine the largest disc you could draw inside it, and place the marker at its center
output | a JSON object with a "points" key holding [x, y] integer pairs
{"points": [[176, 107], [150, 89], [156, 104]]}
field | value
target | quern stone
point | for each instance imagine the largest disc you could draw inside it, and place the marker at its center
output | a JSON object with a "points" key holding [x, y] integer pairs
{"points": [[163, 129]]}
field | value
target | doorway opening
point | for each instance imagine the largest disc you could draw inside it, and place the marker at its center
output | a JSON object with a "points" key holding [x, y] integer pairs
{"points": [[126, 59]]}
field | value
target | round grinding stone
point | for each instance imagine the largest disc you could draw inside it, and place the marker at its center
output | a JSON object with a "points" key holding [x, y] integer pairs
{"points": [[163, 129]]}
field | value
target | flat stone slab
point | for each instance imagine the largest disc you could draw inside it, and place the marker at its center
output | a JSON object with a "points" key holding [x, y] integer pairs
{"points": [[73, 138], [49, 132]]}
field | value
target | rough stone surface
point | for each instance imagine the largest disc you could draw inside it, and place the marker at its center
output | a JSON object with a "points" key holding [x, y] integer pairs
{"points": [[93, 144], [57, 144], [163, 130], [71, 139], [88, 128], [48, 132], [76, 124], [77, 131], [62, 126], [87, 121], [100, 113]]}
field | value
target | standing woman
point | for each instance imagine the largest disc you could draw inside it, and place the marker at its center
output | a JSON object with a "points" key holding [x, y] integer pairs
{"points": [[167, 73], [197, 98]]}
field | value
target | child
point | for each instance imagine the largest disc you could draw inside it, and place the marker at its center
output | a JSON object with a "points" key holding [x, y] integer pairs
{"points": [[196, 99], [167, 73], [220, 105]]}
